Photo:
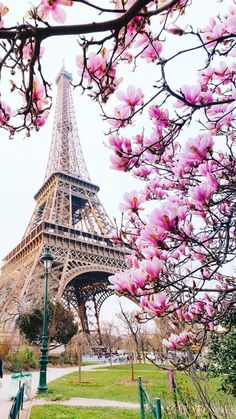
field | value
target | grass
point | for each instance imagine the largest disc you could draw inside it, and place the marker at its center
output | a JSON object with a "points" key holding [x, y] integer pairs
{"points": [[114, 383], [68, 412]]}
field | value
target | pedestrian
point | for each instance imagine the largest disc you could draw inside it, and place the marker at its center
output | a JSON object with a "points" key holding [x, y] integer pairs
{"points": [[1, 371]]}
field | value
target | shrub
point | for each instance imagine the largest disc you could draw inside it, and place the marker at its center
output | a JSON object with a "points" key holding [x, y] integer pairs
{"points": [[24, 359]]}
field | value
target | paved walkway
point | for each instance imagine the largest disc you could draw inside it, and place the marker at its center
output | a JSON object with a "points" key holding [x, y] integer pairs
{"points": [[79, 401], [52, 374]]}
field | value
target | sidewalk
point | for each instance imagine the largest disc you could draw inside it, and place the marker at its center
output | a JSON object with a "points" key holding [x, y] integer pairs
{"points": [[82, 402], [52, 374]]}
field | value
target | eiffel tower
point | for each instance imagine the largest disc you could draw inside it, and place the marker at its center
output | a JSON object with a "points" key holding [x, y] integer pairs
{"points": [[71, 222]]}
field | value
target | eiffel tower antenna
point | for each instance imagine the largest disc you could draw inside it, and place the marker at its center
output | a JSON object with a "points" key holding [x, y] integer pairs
{"points": [[71, 222]]}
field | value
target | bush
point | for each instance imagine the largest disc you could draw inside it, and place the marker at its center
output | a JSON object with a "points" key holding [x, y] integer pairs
{"points": [[65, 358], [222, 359], [24, 359]]}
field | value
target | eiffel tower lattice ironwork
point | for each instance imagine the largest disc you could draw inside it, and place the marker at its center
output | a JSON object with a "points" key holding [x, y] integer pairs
{"points": [[71, 222]]}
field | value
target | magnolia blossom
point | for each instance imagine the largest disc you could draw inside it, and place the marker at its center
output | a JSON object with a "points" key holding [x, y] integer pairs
{"points": [[28, 51], [155, 305], [120, 116], [132, 98], [178, 341], [38, 94], [133, 201], [52, 6], [5, 113], [168, 215], [215, 30], [150, 48], [3, 11], [201, 195], [196, 150]]}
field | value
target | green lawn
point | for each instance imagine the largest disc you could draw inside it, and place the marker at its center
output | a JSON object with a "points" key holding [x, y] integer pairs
{"points": [[112, 384], [115, 383], [67, 412]]}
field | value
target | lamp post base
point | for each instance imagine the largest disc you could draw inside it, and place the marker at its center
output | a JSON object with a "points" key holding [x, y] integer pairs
{"points": [[42, 389]]}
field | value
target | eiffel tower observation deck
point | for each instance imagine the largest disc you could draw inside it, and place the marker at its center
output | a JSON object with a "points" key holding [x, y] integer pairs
{"points": [[71, 222]]}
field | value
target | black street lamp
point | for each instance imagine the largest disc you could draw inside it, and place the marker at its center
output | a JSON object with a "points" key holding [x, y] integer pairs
{"points": [[47, 259]]}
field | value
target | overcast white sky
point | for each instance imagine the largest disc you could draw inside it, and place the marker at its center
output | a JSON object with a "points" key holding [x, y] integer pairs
{"points": [[23, 161]]}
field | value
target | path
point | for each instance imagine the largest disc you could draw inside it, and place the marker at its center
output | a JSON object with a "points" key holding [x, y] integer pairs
{"points": [[79, 401], [52, 374]]}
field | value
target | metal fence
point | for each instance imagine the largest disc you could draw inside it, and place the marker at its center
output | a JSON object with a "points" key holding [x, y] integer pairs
{"points": [[148, 408], [17, 404]]}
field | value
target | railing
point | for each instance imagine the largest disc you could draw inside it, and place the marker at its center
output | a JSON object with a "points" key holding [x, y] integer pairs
{"points": [[17, 404], [148, 409]]}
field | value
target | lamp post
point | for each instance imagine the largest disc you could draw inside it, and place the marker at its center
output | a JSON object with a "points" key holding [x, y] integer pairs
{"points": [[47, 259]]}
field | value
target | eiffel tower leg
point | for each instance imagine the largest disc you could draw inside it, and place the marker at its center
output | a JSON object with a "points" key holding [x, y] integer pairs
{"points": [[83, 317], [96, 310]]}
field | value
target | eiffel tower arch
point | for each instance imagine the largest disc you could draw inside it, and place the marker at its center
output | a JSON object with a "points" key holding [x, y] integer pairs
{"points": [[70, 221]]}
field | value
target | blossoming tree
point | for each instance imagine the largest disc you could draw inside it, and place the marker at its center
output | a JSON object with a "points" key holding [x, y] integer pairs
{"points": [[181, 245]]}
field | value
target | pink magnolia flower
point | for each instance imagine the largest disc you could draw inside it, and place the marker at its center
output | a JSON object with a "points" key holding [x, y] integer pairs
{"points": [[120, 281], [52, 6], [132, 98], [178, 341], [196, 150], [156, 305], [152, 51], [206, 75], [153, 267], [142, 171], [39, 94], [153, 236], [120, 144], [96, 64], [191, 94], [160, 117], [139, 277], [175, 30], [201, 195], [133, 201], [5, 113], [213, 31], [168, 215], [172, 342], [231, 24], [150, 48], [29, 49], [120, 117], [115, 236], [120, 163], [3, 11], [41, 120]]}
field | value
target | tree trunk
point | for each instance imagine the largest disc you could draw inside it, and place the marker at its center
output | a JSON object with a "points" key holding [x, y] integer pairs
{"points": [[80, 363], [132, 367]]}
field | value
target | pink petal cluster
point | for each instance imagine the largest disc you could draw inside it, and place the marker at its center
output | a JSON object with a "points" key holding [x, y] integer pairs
{"points": [[155, 305], [47, 7], [28, 50], [132, 98], [177, 342], [133, 202], [195, 151], [3, 11], [5, 113], [150, 48], [98, 69]]}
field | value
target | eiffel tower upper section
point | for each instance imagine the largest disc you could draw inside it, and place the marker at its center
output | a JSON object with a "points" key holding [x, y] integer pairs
{"points": [[71, 222], [68, 197], [66, 155]]}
